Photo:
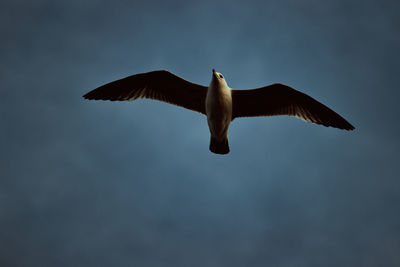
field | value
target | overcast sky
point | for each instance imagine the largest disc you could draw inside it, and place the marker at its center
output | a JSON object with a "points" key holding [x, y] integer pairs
{"points": [[86, 183]]}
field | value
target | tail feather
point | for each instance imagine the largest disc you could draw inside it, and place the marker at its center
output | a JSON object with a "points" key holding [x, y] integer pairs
{"points": [[219, 146]]}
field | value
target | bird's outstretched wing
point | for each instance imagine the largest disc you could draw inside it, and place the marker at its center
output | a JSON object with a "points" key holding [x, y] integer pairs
{"points": [[159, 85], [279, 99]]}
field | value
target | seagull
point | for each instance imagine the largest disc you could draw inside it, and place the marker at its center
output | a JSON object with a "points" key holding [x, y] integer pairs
{"points": [[220, 103]]}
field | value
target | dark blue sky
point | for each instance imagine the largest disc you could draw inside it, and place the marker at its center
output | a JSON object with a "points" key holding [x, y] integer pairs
{"points": [[86, 183]]}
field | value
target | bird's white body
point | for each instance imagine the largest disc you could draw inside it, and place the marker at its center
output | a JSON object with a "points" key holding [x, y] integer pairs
{"points": [[219, 111]]}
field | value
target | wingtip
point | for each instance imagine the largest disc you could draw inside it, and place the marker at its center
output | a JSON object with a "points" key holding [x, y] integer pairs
{"points": [[87, 96], [348, 127], [91, 96]]}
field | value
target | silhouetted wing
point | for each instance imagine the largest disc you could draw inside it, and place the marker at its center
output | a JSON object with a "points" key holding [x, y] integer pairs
{"points": [[279, 99], [159, 85]]}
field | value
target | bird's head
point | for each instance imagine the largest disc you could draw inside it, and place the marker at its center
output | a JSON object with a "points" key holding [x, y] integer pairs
{"points": [[217, 77]]}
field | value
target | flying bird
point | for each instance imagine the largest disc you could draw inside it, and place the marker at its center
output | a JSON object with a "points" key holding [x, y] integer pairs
{"points": [[220, 103]]}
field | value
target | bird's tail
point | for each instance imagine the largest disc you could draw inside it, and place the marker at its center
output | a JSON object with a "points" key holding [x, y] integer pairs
{"points": [[219, 146]]}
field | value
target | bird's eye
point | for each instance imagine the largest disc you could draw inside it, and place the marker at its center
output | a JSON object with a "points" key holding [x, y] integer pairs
{"points": [[221, 76]]}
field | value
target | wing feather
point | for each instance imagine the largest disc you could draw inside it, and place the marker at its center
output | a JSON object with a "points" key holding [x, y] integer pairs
{"points": [[158, 85], [279, 99]]}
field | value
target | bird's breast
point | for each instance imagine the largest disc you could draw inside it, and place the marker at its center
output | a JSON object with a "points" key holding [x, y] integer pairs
{"points": [[219, 109], [219, 100]]}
